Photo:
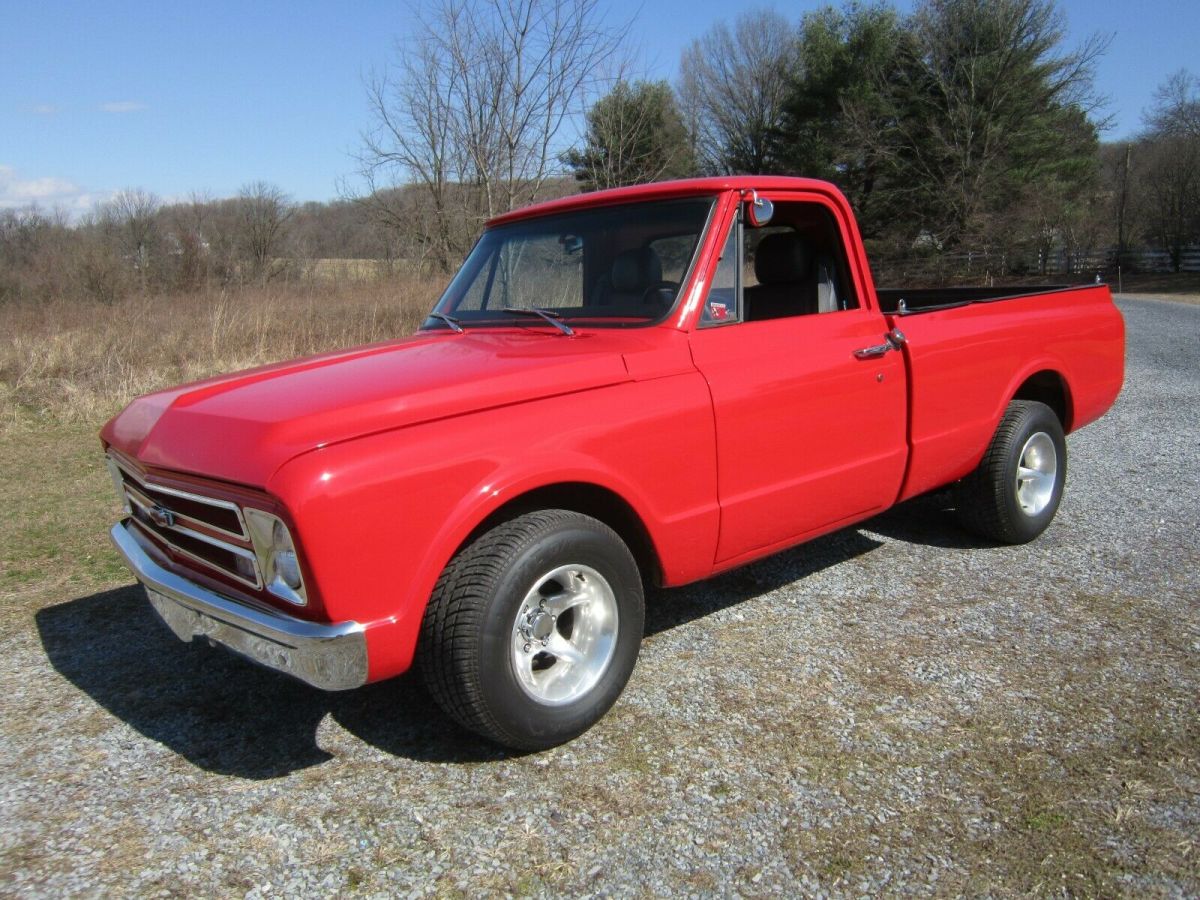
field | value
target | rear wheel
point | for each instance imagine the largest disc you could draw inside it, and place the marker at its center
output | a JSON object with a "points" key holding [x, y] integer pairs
{"points": [[533, 629], [1014, 493]]}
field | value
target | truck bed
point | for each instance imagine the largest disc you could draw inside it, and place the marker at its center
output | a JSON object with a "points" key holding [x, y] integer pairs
{"points": [[909, 301], [967, 355]]}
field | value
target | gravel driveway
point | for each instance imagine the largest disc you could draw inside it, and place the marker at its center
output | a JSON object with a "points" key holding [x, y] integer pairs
{"points": [[892, 709]]}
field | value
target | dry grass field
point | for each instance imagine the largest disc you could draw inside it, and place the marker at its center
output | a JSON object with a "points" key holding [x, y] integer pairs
{"points": [[75, 362], [365, 271]]}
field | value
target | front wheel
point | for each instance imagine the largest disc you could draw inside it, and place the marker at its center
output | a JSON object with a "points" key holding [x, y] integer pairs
{"points": [[533, 629], [1014, 493]]}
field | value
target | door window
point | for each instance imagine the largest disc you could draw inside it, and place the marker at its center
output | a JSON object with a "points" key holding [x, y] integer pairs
{"points": [[796, 266], [721, 307]]}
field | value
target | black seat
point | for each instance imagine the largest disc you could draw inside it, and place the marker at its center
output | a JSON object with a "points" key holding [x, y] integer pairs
{"points": [[632, 275], [787, 285]]}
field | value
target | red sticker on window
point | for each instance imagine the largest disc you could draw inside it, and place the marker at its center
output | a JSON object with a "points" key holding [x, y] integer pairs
{"points": [[718, 311]]}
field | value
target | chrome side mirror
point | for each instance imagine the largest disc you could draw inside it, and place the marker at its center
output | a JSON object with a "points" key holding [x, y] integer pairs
{"points": [[759, 210]]}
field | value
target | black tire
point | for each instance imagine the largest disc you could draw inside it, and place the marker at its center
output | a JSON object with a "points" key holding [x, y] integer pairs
{"points": [[472, 636], [991, 502]]}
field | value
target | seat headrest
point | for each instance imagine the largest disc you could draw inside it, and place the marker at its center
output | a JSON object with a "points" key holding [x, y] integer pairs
{"points": [[636, 270], [782, 257]]}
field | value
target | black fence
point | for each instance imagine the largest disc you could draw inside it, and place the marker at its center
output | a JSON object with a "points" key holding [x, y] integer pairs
{"points": [[983, 268]]}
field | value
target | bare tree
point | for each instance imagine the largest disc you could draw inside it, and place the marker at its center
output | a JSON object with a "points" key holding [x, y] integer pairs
{"points": [[131, 216], [1170, 165], [1118, 176], [1176, 109], [412, 141], [732, 90], [1171, 193], [186, 226], [263, 212], [475, 109], [36, 253]]}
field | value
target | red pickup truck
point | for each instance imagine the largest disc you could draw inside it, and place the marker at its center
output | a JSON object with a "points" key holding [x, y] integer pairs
{"points": [[645, 385]]}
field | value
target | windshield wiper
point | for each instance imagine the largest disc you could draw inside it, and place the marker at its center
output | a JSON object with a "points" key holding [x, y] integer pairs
{"points": [[549, 315], [449, 320]]}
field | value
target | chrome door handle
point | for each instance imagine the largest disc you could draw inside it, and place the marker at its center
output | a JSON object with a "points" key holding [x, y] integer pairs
{"points": [[872, 352], [895, 340]]}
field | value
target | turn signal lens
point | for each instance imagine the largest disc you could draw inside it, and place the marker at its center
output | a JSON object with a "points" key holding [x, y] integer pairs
{"points": [[245, 568]]}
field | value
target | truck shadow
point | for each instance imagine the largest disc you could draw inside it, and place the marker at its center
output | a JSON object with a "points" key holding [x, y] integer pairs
{"points": [[925, 521], [228, 716], [221, 713], [671, 607]]}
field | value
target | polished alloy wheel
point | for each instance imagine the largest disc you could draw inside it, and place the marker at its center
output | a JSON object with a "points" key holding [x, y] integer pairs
{"points": [[565, 634], [1037, 470]]}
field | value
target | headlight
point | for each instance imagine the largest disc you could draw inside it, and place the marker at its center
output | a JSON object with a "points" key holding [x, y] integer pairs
{"points": [[287, 567], [276, 554]]}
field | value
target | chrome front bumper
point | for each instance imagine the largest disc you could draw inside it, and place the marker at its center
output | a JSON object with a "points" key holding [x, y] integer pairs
{"points": [[332, 657]]}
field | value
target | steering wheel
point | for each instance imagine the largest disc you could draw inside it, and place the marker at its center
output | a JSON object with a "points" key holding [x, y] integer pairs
{"points": [[671, 286]]}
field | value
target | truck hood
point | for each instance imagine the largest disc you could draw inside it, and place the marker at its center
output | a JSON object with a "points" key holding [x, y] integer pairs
{"points": [[243, 427]]}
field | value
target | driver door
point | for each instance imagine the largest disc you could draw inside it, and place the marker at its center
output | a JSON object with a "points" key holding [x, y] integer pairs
{"points": [[809, 436]]}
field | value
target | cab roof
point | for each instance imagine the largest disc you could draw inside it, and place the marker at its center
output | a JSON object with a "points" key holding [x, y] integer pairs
{"points": [[664, 190]]}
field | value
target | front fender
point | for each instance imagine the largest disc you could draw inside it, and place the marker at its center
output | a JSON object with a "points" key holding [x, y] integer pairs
{"points": [[377, 519]]}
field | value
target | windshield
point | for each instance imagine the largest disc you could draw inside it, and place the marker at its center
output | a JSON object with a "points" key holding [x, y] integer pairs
{"points": [[613, 265]]}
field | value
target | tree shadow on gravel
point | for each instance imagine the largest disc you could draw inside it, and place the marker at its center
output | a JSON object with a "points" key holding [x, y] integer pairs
{"points": [[222, 713]]}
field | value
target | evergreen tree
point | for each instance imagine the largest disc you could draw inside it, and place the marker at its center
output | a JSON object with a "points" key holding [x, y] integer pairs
{"points": [[837, 121], [635, 134], [964, 123]]}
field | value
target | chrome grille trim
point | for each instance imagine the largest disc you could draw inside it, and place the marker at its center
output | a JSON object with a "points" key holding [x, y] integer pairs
{"points": [[137, 498], [135, 493], [130, 475]]}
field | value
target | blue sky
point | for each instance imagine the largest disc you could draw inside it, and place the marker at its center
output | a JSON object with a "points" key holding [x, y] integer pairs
{"points": [[177, 97]]}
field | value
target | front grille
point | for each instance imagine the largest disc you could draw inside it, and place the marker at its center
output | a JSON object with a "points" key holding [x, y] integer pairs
{"points": [[205, 531]]}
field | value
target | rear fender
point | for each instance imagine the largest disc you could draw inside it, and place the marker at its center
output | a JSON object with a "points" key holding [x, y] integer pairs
{"points": [[1047, 364]]}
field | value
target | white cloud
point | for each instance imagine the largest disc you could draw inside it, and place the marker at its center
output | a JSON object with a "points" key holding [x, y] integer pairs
{"points": [[44, 109], [48, 192], [123, 106]]}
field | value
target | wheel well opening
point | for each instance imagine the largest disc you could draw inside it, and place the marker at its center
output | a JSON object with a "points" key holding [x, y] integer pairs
{"points": [[590, 500], [1049, 388]]}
